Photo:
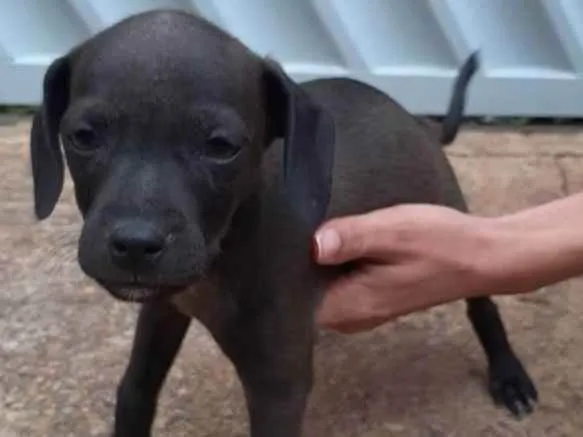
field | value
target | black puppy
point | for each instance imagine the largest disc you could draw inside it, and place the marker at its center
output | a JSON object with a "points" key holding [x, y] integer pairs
{"points": [[171, 131]]}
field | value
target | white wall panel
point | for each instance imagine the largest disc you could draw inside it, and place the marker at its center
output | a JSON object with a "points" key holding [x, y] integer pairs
{"points": [[532, 50]]}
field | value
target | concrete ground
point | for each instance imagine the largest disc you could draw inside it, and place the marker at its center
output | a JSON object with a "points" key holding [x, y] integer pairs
{"points": [[64, 343]]}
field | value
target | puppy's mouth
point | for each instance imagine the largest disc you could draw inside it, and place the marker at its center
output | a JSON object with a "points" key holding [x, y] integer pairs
{"points": [[137, 293]]}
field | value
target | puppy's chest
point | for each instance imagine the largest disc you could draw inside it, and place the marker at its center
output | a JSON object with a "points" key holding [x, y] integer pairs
{"points": [[204, 301], [194, 298]]}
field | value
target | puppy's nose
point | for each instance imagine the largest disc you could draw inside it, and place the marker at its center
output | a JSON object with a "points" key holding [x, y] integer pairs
{"points": [[135, 244]]}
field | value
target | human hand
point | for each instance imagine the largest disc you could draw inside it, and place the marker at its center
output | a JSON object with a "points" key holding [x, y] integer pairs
{"points": [[409, 258]]}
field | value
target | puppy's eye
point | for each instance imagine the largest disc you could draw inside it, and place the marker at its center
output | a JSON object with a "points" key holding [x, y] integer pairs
{"points": [[220, 148], [83, 139]]}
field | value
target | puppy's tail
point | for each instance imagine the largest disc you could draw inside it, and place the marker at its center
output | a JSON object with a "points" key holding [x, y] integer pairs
{"points": [[455, 112]]}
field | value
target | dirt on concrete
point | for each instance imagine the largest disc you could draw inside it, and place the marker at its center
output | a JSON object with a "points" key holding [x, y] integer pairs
{"points": [[64, 342]]}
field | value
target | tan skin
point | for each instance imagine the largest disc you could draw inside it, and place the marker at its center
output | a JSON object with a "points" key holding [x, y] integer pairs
{"points": [[414, 257]]}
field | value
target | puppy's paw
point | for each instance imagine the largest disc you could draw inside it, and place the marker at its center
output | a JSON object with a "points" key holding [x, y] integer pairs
{"points": [[511, 386]]}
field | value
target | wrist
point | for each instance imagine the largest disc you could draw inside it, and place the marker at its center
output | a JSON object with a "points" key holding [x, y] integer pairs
{"points": [[485, 263], [500, 257]]}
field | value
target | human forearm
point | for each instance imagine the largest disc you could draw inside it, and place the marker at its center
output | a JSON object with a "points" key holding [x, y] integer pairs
{"points": [[534, 247]]}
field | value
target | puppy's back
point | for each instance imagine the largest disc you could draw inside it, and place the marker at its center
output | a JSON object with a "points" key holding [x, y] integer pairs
{"points": [[383, 154]]}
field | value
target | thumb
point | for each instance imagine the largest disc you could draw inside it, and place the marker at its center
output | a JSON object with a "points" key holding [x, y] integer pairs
{"points": [[347, 239]]}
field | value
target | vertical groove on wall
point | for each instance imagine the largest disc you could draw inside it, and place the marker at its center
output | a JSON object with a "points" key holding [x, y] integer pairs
{"points": [[5, 57], [289, 31], [337, 29], [86, 11], [395, 36], [517, 37], [209, 10], [32, 32], [567, 19], [451, 28]]}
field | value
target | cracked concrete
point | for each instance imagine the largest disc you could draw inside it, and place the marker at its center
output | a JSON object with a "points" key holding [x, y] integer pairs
{"points": [[64, 342]]}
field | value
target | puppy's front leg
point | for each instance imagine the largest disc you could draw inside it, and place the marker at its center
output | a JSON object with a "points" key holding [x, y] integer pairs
{"points": [[272, 353], [276, 405], [159, 334]]}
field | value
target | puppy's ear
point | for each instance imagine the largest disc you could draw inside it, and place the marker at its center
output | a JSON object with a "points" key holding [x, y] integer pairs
{"points": [[308, 133], [45, 150]]}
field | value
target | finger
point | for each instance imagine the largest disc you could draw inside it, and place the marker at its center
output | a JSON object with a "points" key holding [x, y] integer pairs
{"points": [[355, 237]]}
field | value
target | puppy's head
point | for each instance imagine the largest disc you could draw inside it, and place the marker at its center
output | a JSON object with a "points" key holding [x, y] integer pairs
{"points": [[163, 119]]}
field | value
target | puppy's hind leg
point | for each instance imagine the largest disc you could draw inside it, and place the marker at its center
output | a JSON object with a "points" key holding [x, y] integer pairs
{"points": [[159, 334], [509, 383]]}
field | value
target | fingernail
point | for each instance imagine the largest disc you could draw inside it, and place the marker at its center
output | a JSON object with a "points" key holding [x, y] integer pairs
{"points": [[327, 243]]}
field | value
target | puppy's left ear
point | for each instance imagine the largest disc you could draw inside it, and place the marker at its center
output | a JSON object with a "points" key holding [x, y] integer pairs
{"points": [[45, 151], [308, 133]]}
